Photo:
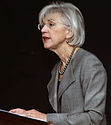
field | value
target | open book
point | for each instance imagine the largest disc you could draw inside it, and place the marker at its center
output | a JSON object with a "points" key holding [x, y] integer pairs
{"points": [[8, 118]]}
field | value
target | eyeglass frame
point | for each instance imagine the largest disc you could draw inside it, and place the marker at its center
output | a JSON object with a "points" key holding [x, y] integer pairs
{"points": [[47, 24]]}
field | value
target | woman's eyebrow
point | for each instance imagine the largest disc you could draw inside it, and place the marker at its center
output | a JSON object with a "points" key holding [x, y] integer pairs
{"points": [[49, 19]]}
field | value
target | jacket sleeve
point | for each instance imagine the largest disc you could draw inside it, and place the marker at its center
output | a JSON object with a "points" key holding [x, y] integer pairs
{"points": [[94, 82]]}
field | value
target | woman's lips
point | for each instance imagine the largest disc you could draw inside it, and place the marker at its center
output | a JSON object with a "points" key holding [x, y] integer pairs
{"points": [[45, 39]]}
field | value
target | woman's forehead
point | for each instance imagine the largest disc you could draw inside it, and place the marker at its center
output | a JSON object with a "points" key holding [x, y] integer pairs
{"points": [[52, 16]]}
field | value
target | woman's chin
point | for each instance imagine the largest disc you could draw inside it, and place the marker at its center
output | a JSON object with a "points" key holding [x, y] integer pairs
{"points": [[47, 46]]}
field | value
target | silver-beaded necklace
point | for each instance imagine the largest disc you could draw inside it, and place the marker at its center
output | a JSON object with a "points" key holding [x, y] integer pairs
{"points": [[61, 73]]}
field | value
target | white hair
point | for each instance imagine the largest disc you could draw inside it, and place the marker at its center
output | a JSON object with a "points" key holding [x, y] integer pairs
{"points": [[72, 17]]}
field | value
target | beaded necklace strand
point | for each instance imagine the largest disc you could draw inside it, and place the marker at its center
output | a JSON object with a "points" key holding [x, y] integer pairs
{"points": [[61, 73]]}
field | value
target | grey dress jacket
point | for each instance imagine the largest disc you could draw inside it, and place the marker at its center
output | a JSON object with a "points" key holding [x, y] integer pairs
{"points": [[81, 96]]}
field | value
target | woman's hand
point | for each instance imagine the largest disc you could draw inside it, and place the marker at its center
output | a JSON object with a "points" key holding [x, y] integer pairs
{"points": [[30, 113]]}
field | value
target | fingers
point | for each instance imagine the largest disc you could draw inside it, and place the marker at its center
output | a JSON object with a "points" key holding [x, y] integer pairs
{"points": [[30, 113], [18, 111], [23, 112]]}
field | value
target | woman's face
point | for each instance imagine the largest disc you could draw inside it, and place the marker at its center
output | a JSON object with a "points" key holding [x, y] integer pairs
{"points": [[53, 31]]}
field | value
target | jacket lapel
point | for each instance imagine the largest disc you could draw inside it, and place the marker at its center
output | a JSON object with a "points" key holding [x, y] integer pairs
{"points": [[66, 81], [52, 89]]}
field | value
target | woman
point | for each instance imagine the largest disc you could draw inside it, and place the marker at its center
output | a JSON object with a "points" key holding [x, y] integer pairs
{"points": [[77, 89]]}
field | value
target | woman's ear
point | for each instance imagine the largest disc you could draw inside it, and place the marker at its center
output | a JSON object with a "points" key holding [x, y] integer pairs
{"points": [[69, 33]]}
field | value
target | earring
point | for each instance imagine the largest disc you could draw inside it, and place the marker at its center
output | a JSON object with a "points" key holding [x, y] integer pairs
{"points": [[67, 42]]}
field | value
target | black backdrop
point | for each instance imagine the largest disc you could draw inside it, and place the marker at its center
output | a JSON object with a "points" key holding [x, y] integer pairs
{"points": [[25, 65]]}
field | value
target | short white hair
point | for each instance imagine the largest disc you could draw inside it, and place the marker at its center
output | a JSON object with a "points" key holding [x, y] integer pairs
{"points": [[72, 16]]}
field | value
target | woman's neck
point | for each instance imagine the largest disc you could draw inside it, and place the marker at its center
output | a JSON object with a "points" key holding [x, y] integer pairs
{"points": [[64, 52]]}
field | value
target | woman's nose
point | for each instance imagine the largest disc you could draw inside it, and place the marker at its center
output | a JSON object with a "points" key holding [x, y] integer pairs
{"points": [[44, 29]]}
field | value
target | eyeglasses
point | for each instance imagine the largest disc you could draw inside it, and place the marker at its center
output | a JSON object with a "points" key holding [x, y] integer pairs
{"points": [[51, 24]]}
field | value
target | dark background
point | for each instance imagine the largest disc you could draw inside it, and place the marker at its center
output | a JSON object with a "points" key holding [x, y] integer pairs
{"points": [[25, 65]]}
